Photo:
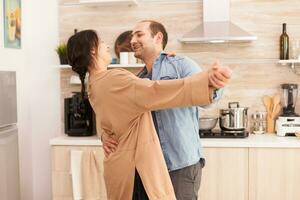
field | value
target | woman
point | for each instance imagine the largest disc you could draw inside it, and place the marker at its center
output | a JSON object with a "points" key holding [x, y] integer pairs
{"points": [[122, 103]]}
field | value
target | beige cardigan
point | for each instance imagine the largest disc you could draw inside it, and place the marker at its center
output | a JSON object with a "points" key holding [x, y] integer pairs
{"points": [[122, 103]]}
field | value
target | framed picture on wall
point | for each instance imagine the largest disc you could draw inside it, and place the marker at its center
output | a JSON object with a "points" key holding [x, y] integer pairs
{"points": [[12, 23]]}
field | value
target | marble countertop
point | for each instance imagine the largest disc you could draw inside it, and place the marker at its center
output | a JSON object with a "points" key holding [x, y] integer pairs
{"points": [[255, 141]]}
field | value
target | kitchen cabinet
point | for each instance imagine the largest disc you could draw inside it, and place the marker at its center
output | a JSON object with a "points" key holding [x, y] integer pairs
{"points": [[61, 176], [225, 176], [274, 173], [260, 167]]}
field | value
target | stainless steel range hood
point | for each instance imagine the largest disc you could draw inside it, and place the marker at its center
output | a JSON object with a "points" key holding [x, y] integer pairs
{"points": [[216, 26]]}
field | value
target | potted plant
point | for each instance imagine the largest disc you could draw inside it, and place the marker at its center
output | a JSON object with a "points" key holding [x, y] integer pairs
{"points": [[61, 50]]}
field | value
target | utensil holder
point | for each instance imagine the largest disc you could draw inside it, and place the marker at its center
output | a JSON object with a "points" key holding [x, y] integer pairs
{"points": [[270, 125]]}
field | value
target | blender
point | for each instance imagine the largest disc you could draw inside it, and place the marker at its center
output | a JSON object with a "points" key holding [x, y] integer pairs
{"points": [[288, 123]]}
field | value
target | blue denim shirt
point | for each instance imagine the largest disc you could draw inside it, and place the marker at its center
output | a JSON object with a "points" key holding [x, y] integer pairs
{"points": [[178, 128]]}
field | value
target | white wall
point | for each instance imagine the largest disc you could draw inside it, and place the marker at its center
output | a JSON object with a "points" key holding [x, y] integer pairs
{"points": [[38, 93]]}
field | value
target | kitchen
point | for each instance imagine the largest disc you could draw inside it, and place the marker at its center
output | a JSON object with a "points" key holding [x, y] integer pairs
{"points": [[256, 73]]}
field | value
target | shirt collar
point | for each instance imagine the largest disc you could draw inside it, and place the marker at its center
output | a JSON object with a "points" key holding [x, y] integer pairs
{"points": [[144, 70]]}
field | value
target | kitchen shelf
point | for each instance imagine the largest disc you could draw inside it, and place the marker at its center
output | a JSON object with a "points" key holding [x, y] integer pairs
{"points": [[75, 79], [292, 63], [126, 66], [102, 2], [65, 66], [140, 65]]}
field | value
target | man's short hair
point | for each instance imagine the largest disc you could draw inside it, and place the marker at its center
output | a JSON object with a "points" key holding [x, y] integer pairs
{"points": [[156, 27]]}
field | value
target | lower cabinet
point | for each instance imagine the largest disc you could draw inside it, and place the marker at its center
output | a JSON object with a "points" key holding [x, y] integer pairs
{"points": [[274, 174], [61, 176], [229, 174], [225, 175]]}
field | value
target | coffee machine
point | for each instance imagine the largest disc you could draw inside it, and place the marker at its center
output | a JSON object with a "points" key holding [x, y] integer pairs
{"points": [[79, 116], [288, 123]]}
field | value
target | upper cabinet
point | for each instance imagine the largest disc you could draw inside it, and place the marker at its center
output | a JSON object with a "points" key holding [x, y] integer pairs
{"points": [[101, 2]]}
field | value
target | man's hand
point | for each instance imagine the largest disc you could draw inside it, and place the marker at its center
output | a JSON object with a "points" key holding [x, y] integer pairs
{"points": [[109, 144], [219, 75], [171, 54]]}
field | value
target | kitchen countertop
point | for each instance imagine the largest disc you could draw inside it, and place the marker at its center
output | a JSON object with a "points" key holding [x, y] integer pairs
{"points": [[253, 141], [77, 141]]}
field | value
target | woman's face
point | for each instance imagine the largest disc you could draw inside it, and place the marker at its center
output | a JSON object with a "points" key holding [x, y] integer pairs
{"points": [[104, 54]]}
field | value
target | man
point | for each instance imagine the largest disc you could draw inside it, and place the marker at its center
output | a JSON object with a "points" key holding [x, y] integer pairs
{"points": [[177, 128]]}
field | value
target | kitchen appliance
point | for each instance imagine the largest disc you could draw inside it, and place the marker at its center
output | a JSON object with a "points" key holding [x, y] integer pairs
{"points": [[233, 118], [233, 123], [223, 134], [217, 28], [79, 116], [289, 99], [9, 157], [288, 123]]}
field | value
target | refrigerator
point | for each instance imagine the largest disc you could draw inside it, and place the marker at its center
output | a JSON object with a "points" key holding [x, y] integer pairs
{"points": [[9, 153]]}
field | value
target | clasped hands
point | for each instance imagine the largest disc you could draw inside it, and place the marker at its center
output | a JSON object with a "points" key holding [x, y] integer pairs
{"points": [[219, 75]]}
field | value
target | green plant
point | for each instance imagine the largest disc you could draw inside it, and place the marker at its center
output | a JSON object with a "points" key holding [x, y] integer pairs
{"points": [[61, 49]]}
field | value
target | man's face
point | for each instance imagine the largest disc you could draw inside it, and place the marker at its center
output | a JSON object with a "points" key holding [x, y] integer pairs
{"points": [[142, 41]]}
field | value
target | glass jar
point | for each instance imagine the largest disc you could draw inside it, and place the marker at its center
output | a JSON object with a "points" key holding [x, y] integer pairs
{"points": [[259, 122]]}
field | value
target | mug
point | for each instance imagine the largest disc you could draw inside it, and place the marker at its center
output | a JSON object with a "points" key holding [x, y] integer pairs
{"points": [[132, 59], [124, 58]]}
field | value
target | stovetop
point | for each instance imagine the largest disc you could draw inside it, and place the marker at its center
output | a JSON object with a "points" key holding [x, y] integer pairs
{"points": [[223, 134]]}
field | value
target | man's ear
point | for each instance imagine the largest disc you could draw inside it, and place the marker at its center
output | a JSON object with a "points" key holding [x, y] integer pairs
{"points": [[159, 38]]}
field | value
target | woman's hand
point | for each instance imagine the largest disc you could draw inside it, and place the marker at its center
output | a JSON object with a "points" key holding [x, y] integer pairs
{"points": [[171, 54], [109, 144]]}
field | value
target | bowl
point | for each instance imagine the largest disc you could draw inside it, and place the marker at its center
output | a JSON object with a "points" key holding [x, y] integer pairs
{"points": [[207, 123]]}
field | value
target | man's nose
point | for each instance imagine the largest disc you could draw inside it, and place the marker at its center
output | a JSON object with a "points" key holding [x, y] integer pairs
{"points": [[133, 40]]}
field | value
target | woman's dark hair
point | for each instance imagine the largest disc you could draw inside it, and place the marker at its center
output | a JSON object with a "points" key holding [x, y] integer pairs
{"points": [[123, 43], [80, 55]]}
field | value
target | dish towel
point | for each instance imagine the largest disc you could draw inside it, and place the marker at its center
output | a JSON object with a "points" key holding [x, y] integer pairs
{"points": [[92, 176], [76, 159]]}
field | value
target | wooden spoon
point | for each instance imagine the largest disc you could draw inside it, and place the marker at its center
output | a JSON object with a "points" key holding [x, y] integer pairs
{"points": [[276, 111], [268, 103], [276, 102]]}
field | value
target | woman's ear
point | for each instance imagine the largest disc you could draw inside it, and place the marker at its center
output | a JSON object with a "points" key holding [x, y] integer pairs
{"points": [[93, 52]]}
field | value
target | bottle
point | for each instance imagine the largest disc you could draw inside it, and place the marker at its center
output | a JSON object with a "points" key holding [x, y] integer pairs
{"points": [[284, 44]]}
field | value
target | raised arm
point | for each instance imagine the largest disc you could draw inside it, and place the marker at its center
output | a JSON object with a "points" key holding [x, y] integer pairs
{"points": [[155, 95]]}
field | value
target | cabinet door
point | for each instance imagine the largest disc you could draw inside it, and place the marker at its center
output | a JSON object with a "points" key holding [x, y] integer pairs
{"points": [[61, 177], [274, 174], [225, 175]]}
